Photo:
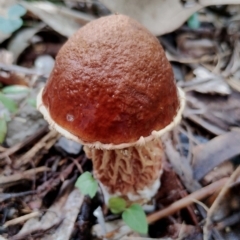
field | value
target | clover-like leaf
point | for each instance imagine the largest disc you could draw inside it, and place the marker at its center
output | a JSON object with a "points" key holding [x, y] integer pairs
{"points": [[117, 204], [135, 218], [15, 89], [8, 103], [16, 11], [193, 21], [87, 184], [8, 25], [3, 129]]}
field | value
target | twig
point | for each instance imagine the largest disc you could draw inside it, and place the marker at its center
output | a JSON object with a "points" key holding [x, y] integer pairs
{"points": [[45, 143], [19, 69], [21, 219], [18, 146], [6, 181], [2, 149], [184, 202], [5, 196]]}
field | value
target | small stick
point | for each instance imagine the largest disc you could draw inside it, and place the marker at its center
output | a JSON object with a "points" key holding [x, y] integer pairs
{"points": [[184, 202], [21, 219], [24, 143], [10, 180], [19, 69]]}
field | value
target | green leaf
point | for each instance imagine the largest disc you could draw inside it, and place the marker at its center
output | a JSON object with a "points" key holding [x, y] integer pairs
{"points": [[8, 103], [15, 89], [193, 21], [117, 204], [87, 184], [10, 25], [135, 218], [3, 129], [32, 102], [16, 11]]}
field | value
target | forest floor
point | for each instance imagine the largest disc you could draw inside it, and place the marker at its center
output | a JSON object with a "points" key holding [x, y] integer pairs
{"points": [[198, 198]]}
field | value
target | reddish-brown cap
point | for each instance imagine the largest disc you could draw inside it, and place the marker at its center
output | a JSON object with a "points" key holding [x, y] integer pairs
{"points": [[111, 83]]}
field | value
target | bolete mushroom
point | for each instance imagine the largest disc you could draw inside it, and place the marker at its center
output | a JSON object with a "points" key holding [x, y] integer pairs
{"points": [[112, 89]]}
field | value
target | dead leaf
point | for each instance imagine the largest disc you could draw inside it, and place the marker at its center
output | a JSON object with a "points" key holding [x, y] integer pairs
{"points": [[27, 119], [234, 83], [6, 57], [207, 82], [224, 212], [180, 165], [206, 125], [190, 45], [233, 64], [70, 212], [57, 214], [223, 170], [115, 230], [208, 156], [161, 16], [59, 18], [215, 113], [21, 40]]}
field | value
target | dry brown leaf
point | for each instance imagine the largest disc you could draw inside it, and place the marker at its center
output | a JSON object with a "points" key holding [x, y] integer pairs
{"points": [[6, 57], [115, 230], [180, 164], [223, 170], [208, 156], [191, 46], [70, 212], [207, 82], [233, 65], [57, 214], [224, 212], [161, 16], [206, 125], [234, 83], [226, 110], [63, 20], [20, 41]]}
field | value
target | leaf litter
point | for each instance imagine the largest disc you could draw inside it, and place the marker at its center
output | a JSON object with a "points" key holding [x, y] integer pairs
{"points": [[198, 198]]}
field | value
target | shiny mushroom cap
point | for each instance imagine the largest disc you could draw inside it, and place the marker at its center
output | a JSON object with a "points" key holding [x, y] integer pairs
{"points": [[112, 86]]}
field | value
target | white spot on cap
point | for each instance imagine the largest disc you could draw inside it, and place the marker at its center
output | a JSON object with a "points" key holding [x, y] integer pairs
{"points": [[70, 118]]}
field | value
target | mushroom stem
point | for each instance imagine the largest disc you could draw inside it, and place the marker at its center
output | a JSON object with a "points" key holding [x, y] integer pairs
{"points": [[132, 173]]}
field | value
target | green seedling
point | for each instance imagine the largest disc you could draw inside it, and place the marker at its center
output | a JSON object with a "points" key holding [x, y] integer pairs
{"points": [[87, 184], [12, 21], [3, 129], [132, 215], [10, 105]]}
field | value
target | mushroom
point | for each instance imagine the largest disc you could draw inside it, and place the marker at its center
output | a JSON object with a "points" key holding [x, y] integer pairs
{"points": [[112, 89]]}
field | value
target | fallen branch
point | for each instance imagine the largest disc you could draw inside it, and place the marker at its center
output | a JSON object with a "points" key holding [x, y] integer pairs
{"points": [[184, 202]]}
